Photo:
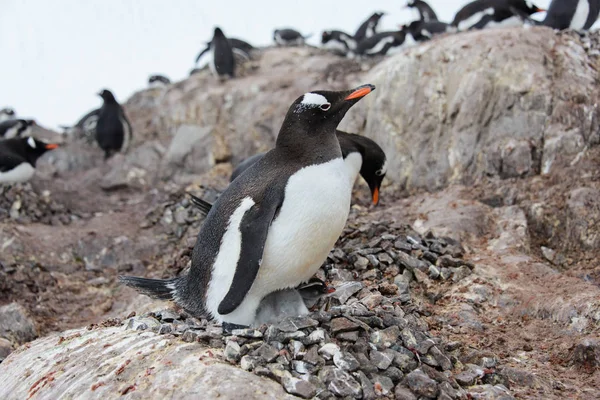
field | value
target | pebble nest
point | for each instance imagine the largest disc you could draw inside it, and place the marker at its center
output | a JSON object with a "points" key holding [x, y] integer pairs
{"points": [[366, 340], [21, 203]]}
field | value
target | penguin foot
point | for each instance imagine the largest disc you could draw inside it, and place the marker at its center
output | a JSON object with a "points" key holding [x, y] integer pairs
{"points": [[229, 327]]}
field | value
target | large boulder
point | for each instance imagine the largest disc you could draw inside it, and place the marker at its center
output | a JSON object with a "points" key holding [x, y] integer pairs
{"points": [[507, 103]]}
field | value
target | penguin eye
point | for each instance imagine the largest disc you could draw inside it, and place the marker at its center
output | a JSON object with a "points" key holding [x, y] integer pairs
{"points": [[325, 106]]}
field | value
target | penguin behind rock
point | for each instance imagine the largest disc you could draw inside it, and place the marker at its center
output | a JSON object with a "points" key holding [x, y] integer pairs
{"points": [[425, 11], [422, 30], [338, 42], [380, 44], [368, 28], [289, 37], [7, 113], [113, 130], [274, 226], [15, 128], [18, 157], [156, 81], [480, 14], [223, 62], [578, 15]]}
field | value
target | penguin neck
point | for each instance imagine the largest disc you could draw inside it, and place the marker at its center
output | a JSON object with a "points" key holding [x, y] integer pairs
{"points": [[301, 142]]}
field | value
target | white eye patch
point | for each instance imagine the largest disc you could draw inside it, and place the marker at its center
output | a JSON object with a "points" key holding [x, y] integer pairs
{"points": [[31, 142], [383, 169], [529, 4]]}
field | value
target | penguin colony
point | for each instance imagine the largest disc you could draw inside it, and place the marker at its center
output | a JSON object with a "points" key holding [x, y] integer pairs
{"points": [[273, 227]]}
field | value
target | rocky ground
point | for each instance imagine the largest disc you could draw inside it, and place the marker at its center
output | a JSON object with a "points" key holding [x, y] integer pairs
{"points": [[478, 276]]}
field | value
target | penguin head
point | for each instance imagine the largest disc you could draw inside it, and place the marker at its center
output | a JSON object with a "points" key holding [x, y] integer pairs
{"points": [[325, 109], [34, 148], [373, 170], [376, 17], [218, 32], [107, 96], [8, 111], [411, 4], [526, 6], [325, 37]]}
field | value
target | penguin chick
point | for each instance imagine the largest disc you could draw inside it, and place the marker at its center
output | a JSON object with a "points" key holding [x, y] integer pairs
{"points": [[273, 227], [113, 130]]}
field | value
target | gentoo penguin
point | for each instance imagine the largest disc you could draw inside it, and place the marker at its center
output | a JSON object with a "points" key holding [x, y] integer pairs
{"points": [[361, 155], [289, 37], [85, 125], [222, 63], [379, 44], [274, 226], [480, 14], [15, 128], [578, 15], [239, 47], [113, 130], [423, 30], [425, 11], [368, 28], [18, 157], [158, 81], [338, 42], [291, 302], [7, 113]]}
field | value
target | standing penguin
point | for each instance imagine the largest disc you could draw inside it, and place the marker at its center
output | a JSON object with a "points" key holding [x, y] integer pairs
{"points": [[157, 81], [274, 226], [425, 11], [223, 62], [289, 37], [480, 14], [578, 15], [18, 157], [368, 28], [113, 130], [239, 48], [7, 113], [15, 128]]}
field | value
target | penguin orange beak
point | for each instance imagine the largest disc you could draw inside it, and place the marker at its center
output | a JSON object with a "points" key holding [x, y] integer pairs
{"points": [[539, 10], [360, 92], [51, 146], [330, 289], [376, 196]]}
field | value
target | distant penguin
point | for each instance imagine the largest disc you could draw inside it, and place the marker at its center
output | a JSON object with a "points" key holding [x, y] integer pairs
{"points": [[425, 11], [289, 37], [422, 30], [18, 157], [113, 130], [338, 42], [156, 81], [239, 47], [15, 128], [368, 28], [578, 15], [480, 14], [291, 302], [223, 62], [85, 125], [379, 44], [7, 113], [273, 227]]}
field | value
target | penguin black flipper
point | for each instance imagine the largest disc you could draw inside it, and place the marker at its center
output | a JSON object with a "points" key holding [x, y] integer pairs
{"points": [[254, 229], [203, 52], [203, 205]]}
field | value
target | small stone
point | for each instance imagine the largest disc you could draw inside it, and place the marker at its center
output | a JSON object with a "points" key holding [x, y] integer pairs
{"points": [[267, 352], [370, 275], [548, 254], [343, 325], [165, 328], [286, 337], [298, 387], [402, 246], [394, 374], [373, 260], [489, 392], [345, 387], [445, 273], [312, 356], [469, 376], [489, 362], [367, 386], [442, 360], [586, 355], [460, 273], [361, 263], [388, 289], [385, 258], [345, 361], [303, 367], [383, 385], [328, 350], [408, 261], [404, 393], [249, 363], [279, 372], [329, 373], [431, 257], [386, 337], [316, 336], [232, 351], [410, 342], [297, 348], [372, 300], [382, 360], [189, 336], [348, 336], [297, 323], [434, 272], [143, 323], [346, 290], [421, 384], [449, 262], [167, 315], [5, 348], [247, 333], [424, 346]]}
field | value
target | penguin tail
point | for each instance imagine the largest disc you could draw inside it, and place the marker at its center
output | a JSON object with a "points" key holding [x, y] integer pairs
{"points": [[203, 205], [162, 289]]}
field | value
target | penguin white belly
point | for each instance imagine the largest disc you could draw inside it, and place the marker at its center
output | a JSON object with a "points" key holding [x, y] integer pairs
{"points": [[467, 23], [580, 16], [513, 21], [311, 219], [335, 45], [126, 135], [380, 45], [353, 163], [12, 132], [21, 173]]}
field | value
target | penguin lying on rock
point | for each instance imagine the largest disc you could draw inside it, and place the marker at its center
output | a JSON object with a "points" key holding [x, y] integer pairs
{"points": [[274, 226], [156, 81], [289, 37], [338, 42], [15, 128], [379, 44], [18, 157], [422, 30], [480, 14]]}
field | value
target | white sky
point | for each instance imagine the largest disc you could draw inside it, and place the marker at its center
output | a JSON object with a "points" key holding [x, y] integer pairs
{"points": [[56, 54]]}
